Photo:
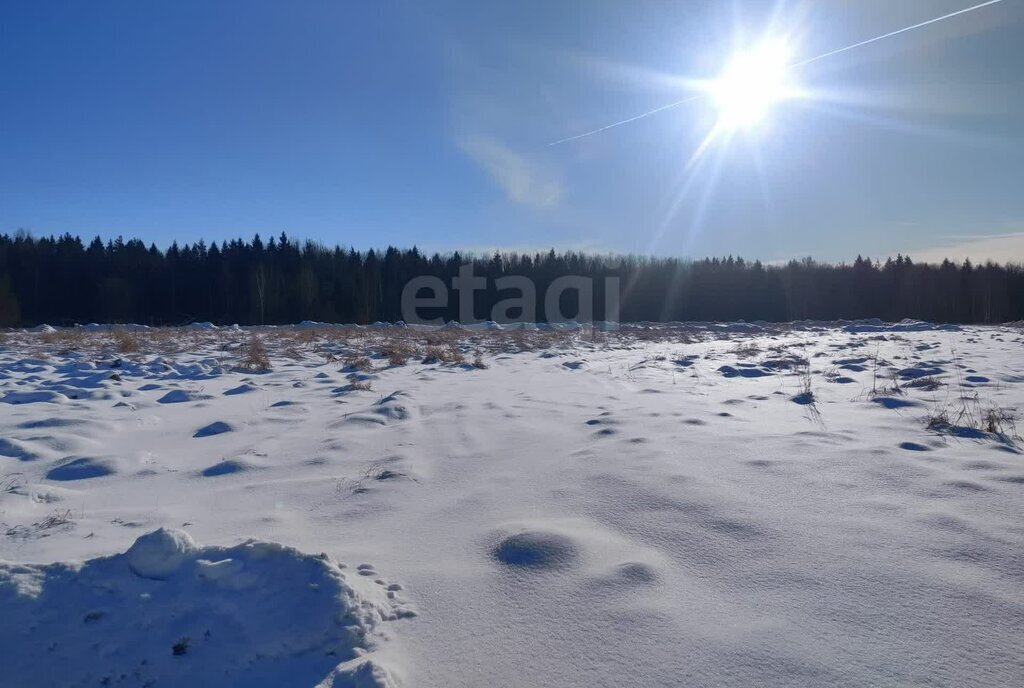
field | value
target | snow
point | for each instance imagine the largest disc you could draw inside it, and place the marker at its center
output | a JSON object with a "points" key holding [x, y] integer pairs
{"points": [[33, 397], [217, 427], [169, 611], [536, 548], [161, 553], [80, 468], [637, 505]]}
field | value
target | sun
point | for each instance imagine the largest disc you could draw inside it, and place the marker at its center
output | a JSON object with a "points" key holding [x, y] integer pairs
{"points": [[753, 81]]}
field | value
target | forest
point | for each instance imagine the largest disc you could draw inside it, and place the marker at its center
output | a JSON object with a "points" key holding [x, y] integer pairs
{"points": [[63, 281]]}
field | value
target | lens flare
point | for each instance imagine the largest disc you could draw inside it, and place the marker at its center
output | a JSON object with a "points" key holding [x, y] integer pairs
{"points": [[753, 81], [732, 105]]}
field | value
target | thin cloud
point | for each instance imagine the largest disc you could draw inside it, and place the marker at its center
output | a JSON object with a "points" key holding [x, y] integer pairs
{"points": [[524, 181], [1000, 248]]}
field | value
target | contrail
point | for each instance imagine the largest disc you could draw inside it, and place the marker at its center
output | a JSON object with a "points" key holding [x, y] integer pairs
{"points": [[797, 64], [627, 121], [898, 31]]}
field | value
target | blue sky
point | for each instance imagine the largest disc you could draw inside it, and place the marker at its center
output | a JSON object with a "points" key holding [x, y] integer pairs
{"points": [[399, 122]]}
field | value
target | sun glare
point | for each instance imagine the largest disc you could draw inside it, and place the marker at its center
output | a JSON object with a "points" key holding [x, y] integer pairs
{"points": [[753, 81]]}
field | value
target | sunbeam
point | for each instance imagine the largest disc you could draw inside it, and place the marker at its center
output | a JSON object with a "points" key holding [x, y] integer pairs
{"points": [[742, 100]]}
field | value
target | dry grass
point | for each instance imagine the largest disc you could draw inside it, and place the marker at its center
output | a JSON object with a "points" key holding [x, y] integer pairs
{"points": [[804, 381], [968, 414], [520, 340], [294, 353], [57, 519], [929, 383], [357, 362], [883, 385], [63, 342], [253, 355], [167, 340], [12, 482], [398, 351], [307, 337], [444, 337], [1000, 421], [745, 349], [443, 354], [596, 336], [887, 387], [125, 341], [356, 346], [831, 373], [938, 418], [347, 343]]}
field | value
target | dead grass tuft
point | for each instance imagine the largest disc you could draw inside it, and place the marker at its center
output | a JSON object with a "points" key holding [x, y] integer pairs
{"points": [[355, 362], [398, 351], [805, 381], [443, 354], [1000, 421], [12, 482], [253, 355], [745, 349], [64, 341], [968, 416], [929, 383], [125, 341], [58, 519]]}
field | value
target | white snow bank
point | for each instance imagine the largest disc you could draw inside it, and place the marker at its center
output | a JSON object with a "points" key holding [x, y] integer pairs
{"points": [[168, 612], [106, 327], [40, 397], [876, 325]]}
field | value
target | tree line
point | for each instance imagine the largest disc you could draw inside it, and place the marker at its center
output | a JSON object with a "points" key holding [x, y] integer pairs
{"points": [[62, 281]]}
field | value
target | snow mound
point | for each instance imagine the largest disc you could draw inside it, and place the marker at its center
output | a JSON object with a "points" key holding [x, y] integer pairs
{"points": [[228, 467], [180, 396], [168, 612], [159, 554], [391, 407], [743, 371], [634, 573], [47, 397], [81, 468], [15, 449], [217, 427]]}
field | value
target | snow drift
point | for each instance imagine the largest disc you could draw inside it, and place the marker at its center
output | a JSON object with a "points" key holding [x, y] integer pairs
{"points": [[169, 612]]}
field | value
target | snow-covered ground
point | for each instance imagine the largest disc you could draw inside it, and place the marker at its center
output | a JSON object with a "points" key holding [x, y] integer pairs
{"points": [[700, 505]]}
